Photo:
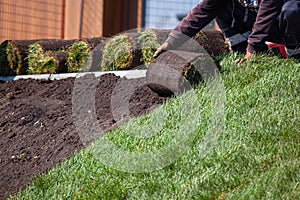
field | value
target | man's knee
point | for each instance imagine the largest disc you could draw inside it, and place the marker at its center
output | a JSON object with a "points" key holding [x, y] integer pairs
{"points": [[289, 22], [291, 10]]}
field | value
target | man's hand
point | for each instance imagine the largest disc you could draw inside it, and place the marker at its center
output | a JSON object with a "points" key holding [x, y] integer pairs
{"points": [[164, 47], [246, 57]]}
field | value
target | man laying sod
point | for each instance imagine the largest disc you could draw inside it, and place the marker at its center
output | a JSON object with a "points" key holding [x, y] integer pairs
{"points": [[249, 26]]}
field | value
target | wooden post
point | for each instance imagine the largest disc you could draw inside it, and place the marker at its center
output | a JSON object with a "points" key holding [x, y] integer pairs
{"points": [[121, 15], [72, 19], [63, 12], [140, 14]]}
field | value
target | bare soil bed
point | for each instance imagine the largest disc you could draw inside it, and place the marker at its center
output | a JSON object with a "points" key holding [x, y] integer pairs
{"points": [[37, 130]]}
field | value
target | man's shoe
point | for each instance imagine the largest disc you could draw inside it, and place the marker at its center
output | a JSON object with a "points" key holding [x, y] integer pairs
{"points": [[277, 49], [293, 53]]}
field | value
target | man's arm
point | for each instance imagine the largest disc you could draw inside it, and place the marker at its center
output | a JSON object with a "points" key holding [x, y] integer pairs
{"points": [[264, 27], [197, 19]]}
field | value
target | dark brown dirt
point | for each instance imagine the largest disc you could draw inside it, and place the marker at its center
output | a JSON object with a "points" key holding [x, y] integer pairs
{"points": [[37, 130]]}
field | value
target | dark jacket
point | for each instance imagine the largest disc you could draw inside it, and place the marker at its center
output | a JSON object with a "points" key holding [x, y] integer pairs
{"points": [[207, 10]]}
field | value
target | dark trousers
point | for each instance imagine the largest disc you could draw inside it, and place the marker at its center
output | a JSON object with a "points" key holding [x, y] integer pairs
{"points": [[289, 24], [236, 25]]}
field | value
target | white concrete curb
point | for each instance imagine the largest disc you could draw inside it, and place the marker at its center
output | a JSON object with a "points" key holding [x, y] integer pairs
{"points": [[128, 74]]}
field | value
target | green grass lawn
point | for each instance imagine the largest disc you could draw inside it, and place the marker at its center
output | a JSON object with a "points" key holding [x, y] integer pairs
{"points": [[256, 154]]}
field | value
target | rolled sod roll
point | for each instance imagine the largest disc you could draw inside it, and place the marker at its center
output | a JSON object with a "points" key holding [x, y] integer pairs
{"points": [[211, 41], [38, 50], [175, 72], [93, 41], [120, 53], [117, 54], [128, 50], [80, 53], [148, 41], [53, 45], [144, 44], [13, 54], [60, 59], [136, 50], [52, 62], [161, 34]]}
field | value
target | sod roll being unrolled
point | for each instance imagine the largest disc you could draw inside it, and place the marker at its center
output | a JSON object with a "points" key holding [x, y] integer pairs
{"points": [[175, 72]]}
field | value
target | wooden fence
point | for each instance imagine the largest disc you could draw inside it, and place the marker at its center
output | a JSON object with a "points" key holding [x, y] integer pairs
{"points": [[67, 19]]}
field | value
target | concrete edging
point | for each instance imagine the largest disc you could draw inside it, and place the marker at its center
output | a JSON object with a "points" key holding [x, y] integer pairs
{"points": [[130, 74]]}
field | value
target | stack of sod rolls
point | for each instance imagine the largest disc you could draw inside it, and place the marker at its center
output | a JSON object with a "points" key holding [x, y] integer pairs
{"points": [[129, 50], [124, 51]]}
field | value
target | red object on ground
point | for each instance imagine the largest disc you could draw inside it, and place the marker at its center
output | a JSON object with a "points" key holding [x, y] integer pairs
{"points": [[279, 47]]}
